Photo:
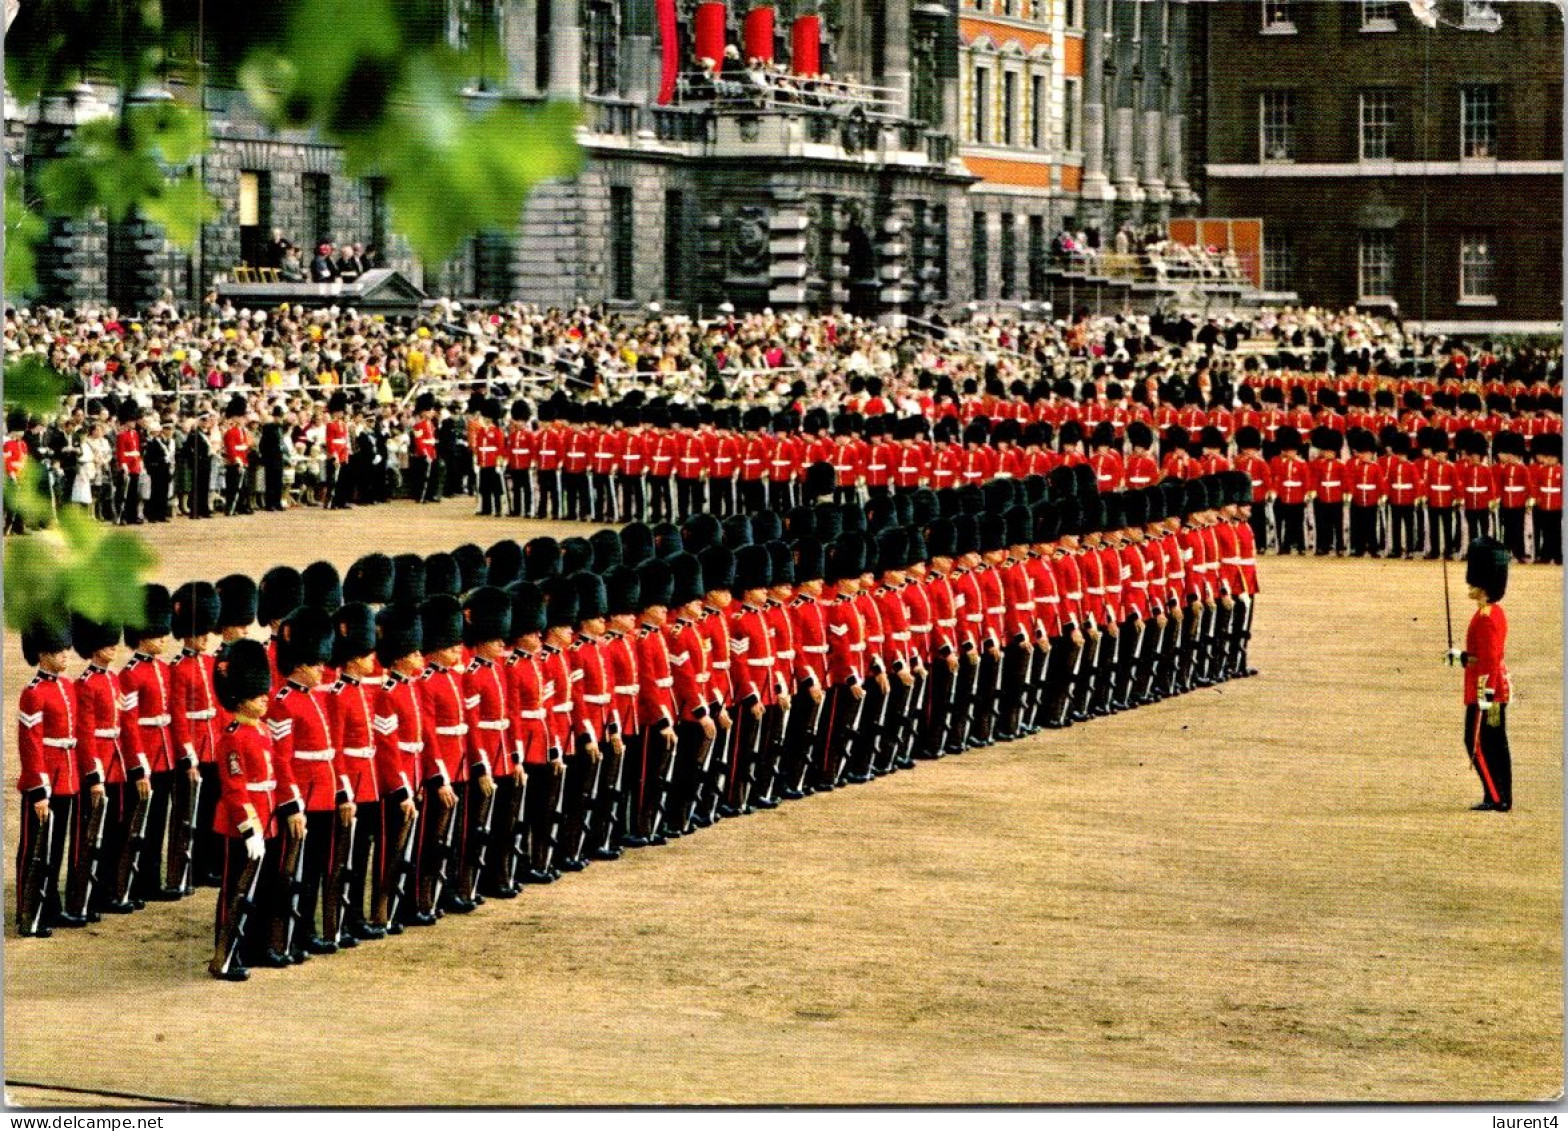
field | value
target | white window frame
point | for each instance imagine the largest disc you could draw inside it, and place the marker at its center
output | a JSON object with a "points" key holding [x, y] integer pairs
{"points": [[1278, 17], [1375, 257], [1477, 266], [1378, 15], [1468, 100], [1289, 99], [1389, 112]]}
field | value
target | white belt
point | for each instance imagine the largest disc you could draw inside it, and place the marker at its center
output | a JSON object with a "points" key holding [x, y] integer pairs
{"points": [[201, 716], [313, 755], [766, 662], [920, 628], [627, 688], [704, 677], [261, 786], [411, 747], [1027, 606], [667, 681], [947, 623], [359, 752], [1093, 592], [155, 721], [996, 610], [1075, 595], [535, 714], [815, 649], [901, 636], [784, 655], [492, 724], [111, 732], [1292, 483], [974, 617], [561, 707], [1139, 584], [453, 732], [720, 665], [60, 743], [597, 700]]}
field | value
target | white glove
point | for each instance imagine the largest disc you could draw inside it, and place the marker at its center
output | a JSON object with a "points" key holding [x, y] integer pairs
{"points": [[1452, 656], [1483, 699], [255, 848]]}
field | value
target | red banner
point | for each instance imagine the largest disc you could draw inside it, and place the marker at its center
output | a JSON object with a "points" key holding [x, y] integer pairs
{"points": [[669, 50]]}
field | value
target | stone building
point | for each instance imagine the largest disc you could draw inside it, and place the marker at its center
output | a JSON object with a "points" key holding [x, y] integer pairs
{"points": [[923, 160], [1392, 164]]}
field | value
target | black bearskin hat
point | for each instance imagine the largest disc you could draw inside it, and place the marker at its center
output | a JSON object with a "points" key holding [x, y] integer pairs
{"points": [[156, 619], [398, 633], [487, 615], [241, 673], [441, 622], [321, 587], [194, 609], [281, 592], [471, 566], [503, 563], [354, 633], [442, 576], [237, 601], [1486, 568], [592, 600], [304, 638], [369, 580]]}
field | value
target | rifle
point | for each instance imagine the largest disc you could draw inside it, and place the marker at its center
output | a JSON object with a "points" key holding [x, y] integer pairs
{"points": [[478, 846], [35, 880], [283, 926], [335, 899], [388, 900], [131, 856], [232, 934], [184, 838], [86, 878]]}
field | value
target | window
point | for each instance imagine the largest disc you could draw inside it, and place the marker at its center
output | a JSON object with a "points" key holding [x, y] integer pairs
{"points": [[982, 93], [1277, 118], [1009, 108], [1478, 121], [380, 217], [601, 62], [1037, 257], [674, 244], [1279, 17], [1070, 115], [1279, 264], [1037, 111], [317, 188], [1009, 253], [1377, 125], [1376, 266], [621, 242], [1075, 13], [981, 255], [1481, 15], [255, 209], [1378, 15], [1475, 268]]}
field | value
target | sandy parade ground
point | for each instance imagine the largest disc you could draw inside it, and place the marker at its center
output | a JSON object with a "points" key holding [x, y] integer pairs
{"points": [[1268, 890]]}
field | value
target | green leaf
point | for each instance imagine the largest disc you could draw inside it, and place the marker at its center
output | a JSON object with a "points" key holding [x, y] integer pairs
{"points": [[25, 495], [182, 208], [23, 229], [32, 386]]}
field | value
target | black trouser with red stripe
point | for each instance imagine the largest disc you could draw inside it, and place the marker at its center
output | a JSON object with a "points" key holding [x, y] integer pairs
{"points": [[1549, 536], [1488, 749], [1512, 519], [62, 819]]}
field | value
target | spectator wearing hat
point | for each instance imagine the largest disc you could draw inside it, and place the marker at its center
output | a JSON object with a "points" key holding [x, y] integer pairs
{"points": [[323, 268], [159, 459]]}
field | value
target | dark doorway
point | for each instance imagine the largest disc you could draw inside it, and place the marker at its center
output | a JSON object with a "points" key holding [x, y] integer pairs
{"points": [[863, 284]]}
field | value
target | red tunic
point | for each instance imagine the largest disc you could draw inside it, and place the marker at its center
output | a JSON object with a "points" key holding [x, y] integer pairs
{"points": [[1546, 486], [688, 669], [46, 737], [351, 716], [751, 648], [446, 727], [655, 680], [590, 689], [193, 706], [1476, 484], [146, 678], [530, 711], [1366, 482], [302, 739], [247, 780], [625, 682], [1485, 641], [107, 747], [846, 642], [1513, 485], [399, 723], [128, 451], [488, 745]]}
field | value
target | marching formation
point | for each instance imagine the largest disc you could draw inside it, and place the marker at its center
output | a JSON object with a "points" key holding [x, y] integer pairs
{"points": [[423, 733]]}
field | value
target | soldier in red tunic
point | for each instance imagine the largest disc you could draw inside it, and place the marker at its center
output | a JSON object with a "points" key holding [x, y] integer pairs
{"points": [[494, 780], [620, 796], [443, 764], [530, 695], [146, 676], [310, 783], [193, 723], [46, 748], [1546, 496], [1487, 688], [651, 751], [489, 456], [1440, 493], [351, 712], [697, 728], [1513, 491], [128, 468], [108, 754], [756, 693], [424, 468], [246, 815], [236, 456], [401, 734]]}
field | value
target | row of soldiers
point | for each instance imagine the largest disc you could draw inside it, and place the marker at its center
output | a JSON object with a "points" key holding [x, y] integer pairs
{"points": [[431, 732]]}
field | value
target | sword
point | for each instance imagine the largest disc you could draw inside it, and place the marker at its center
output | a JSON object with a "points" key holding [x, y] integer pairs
{"points": [[86, 879]]}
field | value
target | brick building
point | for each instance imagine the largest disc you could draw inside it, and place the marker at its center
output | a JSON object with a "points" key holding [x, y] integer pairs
{"points": [[1391, 164]]}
